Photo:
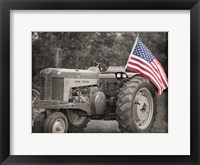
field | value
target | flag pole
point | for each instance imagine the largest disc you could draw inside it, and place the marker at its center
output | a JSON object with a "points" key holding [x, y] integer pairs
{"points": [[132, 51]]}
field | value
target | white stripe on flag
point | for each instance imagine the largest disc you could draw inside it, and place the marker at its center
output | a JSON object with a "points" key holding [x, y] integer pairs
{"points": [[147, 74], [158, 71], [161, 71], [150, 71], [151, 67], [154, 70]]}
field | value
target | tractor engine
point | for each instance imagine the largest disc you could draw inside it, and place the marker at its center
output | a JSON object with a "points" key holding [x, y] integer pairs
{"points": [[80, 94], [95, 98]]}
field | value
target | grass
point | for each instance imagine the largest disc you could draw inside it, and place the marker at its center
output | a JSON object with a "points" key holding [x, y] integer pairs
{"points": [[101, 126]]}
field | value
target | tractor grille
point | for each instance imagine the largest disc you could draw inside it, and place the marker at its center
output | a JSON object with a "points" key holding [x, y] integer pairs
{"points": [[51, 88], [57, 88]]}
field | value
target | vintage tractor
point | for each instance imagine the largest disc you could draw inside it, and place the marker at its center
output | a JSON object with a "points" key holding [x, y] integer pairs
{"points": [[71, 97]]}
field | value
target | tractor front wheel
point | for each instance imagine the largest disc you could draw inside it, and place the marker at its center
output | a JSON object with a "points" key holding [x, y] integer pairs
{"points": [[56, 123], [136, 106]]}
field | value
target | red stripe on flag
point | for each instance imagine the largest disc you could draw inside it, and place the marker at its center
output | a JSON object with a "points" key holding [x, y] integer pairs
{"points": [[145, 76], [162, 69], [148, 71], [162, 73], [151, 68], [158, 71], [160, 66]]}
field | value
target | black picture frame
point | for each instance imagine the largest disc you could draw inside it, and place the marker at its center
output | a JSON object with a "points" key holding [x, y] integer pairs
{"points": [[7, 5]]}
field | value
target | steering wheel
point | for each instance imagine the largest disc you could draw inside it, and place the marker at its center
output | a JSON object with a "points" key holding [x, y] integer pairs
{"points": [[101, 62]]}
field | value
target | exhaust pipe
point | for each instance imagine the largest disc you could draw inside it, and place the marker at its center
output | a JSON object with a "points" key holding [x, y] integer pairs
{"points": [[58, 58]]}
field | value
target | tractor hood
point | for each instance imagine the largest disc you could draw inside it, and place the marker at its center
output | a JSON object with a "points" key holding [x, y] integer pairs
{"points": [[110, 72], [114, 69], [92, 72]]}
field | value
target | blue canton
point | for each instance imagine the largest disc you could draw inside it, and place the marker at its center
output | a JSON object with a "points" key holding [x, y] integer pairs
{"points": [[143, 52]]}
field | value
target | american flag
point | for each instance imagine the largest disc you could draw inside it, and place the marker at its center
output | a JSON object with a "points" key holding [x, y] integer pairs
{"points": [[142, 61]]}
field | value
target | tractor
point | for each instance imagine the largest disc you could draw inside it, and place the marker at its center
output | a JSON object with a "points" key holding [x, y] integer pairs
{"points": [[72, 97]]}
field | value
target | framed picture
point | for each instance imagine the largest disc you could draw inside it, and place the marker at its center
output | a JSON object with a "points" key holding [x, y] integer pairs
{"points": [[99, 82]]}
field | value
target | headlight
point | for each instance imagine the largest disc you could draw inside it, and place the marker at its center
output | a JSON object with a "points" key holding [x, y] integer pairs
{"points": [[118, 75], [124, 75]]}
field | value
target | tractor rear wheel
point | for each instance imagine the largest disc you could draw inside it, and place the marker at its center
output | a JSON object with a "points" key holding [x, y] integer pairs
{"points": [[39, 122], [76, 122], [56, 123], [136, 105], [35, 95], [35, 111]]}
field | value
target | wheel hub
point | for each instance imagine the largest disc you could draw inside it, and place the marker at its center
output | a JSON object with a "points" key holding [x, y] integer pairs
{"points": [[144, 108], [58, 126]]}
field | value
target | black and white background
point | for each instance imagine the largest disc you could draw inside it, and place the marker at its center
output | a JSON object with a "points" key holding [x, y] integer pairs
{"points": [[77, 50]]}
